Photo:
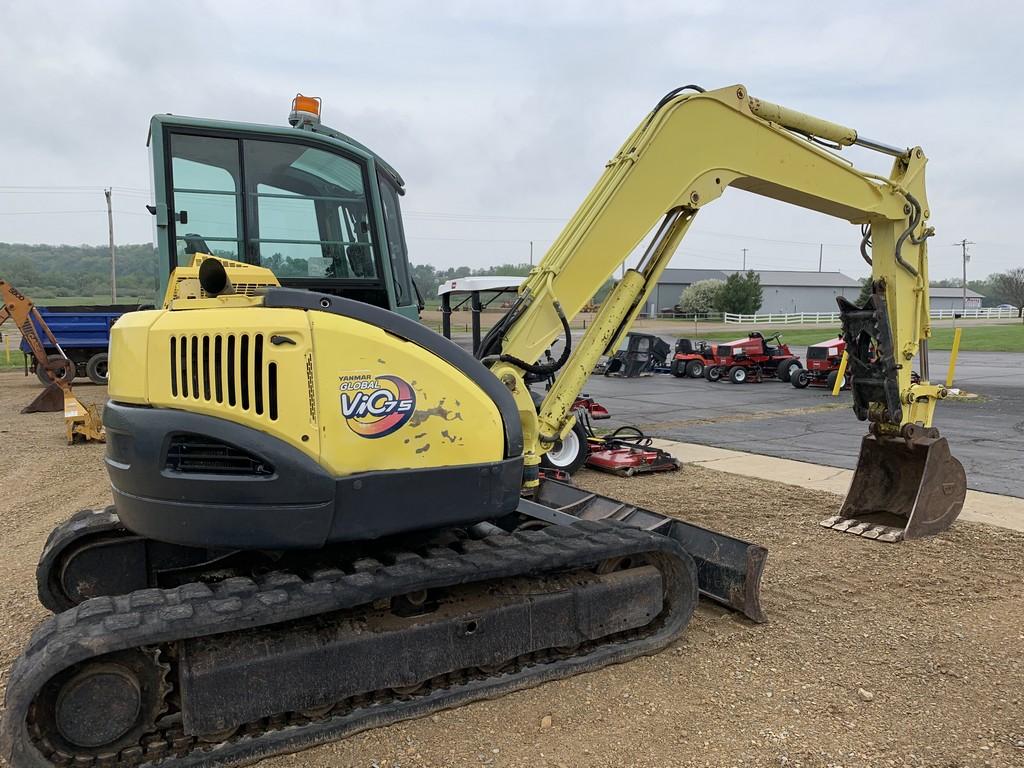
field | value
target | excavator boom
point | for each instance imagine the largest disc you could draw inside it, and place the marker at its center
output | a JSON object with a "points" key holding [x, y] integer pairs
{"points": [[681, 157]]}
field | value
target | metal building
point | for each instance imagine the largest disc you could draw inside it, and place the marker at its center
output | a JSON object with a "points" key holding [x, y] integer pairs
{"points": [[782, 291], [953, 298]]}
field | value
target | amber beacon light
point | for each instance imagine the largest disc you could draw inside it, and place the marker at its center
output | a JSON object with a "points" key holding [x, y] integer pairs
{"points": [[305, 110]]}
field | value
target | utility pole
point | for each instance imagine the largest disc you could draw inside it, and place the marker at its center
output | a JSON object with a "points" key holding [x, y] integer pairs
{"points": [[531, 253], [113, 254], [744, 259], [967, 257], [821, 247]]}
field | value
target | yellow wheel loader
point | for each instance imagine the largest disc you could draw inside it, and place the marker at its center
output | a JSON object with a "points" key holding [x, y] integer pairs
{"points": [[328, 518]]}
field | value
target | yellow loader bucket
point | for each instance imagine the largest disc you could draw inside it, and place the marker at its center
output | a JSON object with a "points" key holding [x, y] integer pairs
{"points": [[903, 488]]}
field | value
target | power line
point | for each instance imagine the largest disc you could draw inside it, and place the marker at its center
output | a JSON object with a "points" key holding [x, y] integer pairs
{"points": [[967, 257], [67, 188], [60, 213], [42, 213], [439, 216]]}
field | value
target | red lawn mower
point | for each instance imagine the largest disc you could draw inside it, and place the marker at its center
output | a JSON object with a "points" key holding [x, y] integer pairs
{"points": [[753, 358], [822, 369], [625, 452], [691, 358]]}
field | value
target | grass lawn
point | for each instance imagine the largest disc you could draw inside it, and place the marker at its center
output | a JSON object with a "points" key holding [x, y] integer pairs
{"points": [[17, 360], [980, 338]]}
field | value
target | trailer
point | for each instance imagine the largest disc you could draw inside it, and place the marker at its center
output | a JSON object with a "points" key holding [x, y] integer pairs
{"points": [[83, 334], [823, 361]]}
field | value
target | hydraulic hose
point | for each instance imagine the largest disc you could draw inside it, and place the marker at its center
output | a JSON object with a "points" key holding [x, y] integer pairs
{"points": [[546, 369], [865, 243], [909, 232], [492, 340], [671, 95]]}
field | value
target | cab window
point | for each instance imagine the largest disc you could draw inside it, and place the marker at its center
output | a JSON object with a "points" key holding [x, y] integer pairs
{"points": [[301, 211], [397, 252], [207, 204], [310, 212]]}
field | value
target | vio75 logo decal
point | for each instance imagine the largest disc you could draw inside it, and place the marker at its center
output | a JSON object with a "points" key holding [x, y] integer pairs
{"points": [[375, 406]]}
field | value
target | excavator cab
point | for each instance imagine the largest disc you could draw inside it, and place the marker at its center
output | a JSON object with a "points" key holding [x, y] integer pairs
{"points": [[641, 355], [314, 206]]}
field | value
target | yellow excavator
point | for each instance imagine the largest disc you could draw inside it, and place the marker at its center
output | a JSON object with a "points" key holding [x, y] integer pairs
{"points": [[328, 518]]}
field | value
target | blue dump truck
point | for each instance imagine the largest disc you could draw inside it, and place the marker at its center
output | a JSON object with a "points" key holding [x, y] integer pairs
{"points": [[83, 334]]}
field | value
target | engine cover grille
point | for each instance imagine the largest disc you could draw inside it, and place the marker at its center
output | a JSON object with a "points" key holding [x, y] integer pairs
{"points": [[198, 454], [226, 369]]}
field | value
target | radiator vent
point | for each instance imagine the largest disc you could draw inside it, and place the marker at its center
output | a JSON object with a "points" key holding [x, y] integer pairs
{"points": [[241, 289], [197, 454], [224, 369]]}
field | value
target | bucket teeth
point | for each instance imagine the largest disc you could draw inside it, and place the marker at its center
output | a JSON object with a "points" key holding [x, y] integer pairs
{"points": [[862, 529], [844, 524], [887, 533]]}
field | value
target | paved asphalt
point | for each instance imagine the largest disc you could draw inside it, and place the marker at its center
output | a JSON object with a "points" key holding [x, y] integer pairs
{"points": [[775, 419]]}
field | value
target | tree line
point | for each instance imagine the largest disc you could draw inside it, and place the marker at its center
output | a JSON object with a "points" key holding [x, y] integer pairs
{"points": [[63, 271], [68, 271]]}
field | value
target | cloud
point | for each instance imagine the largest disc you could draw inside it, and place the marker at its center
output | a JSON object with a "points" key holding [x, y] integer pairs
{"points": [[510, 111]]}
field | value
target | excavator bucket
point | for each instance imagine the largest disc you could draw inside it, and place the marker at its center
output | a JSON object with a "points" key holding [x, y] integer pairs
{"points": [[903, 488], [50, 400]]}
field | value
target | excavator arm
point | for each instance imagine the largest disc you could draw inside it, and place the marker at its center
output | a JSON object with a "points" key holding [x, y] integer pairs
{"points": [[20, 308], [681, 157]]}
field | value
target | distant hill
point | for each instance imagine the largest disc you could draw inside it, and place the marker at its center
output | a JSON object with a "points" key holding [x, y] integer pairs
{"points": [[57, 271], [67, 271]]}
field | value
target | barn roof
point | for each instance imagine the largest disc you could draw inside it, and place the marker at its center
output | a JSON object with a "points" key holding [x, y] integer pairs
{"points": [[769, 277], [953, 293]]}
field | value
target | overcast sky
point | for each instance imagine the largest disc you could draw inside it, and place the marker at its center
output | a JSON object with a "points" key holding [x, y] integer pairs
{"points": [[500, 116]]}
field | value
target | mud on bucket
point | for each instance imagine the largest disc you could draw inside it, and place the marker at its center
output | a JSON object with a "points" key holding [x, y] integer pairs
{"points": [[902, 489]]}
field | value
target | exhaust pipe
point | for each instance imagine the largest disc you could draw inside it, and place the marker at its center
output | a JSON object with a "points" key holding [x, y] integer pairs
{"points": [[213, 278]]}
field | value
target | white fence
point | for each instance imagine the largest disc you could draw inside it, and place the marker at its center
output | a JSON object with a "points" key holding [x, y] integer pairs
{"points": [[796, 318], [986, 313], [823, 318]]}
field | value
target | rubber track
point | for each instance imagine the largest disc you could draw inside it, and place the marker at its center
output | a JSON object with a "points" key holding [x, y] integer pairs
{"points": [[80, 526], [155, 617]]}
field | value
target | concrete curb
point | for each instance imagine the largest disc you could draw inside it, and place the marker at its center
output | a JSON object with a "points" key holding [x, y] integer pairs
{"points": [[979, 507]]}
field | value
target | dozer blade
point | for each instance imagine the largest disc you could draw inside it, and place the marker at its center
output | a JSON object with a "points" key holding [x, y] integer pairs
{"points": [[50, 400], [728, 569], [903, 488]]}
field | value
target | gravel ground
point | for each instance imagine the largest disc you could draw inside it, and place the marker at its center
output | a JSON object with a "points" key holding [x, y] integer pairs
{"points": [[874, 655]]}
